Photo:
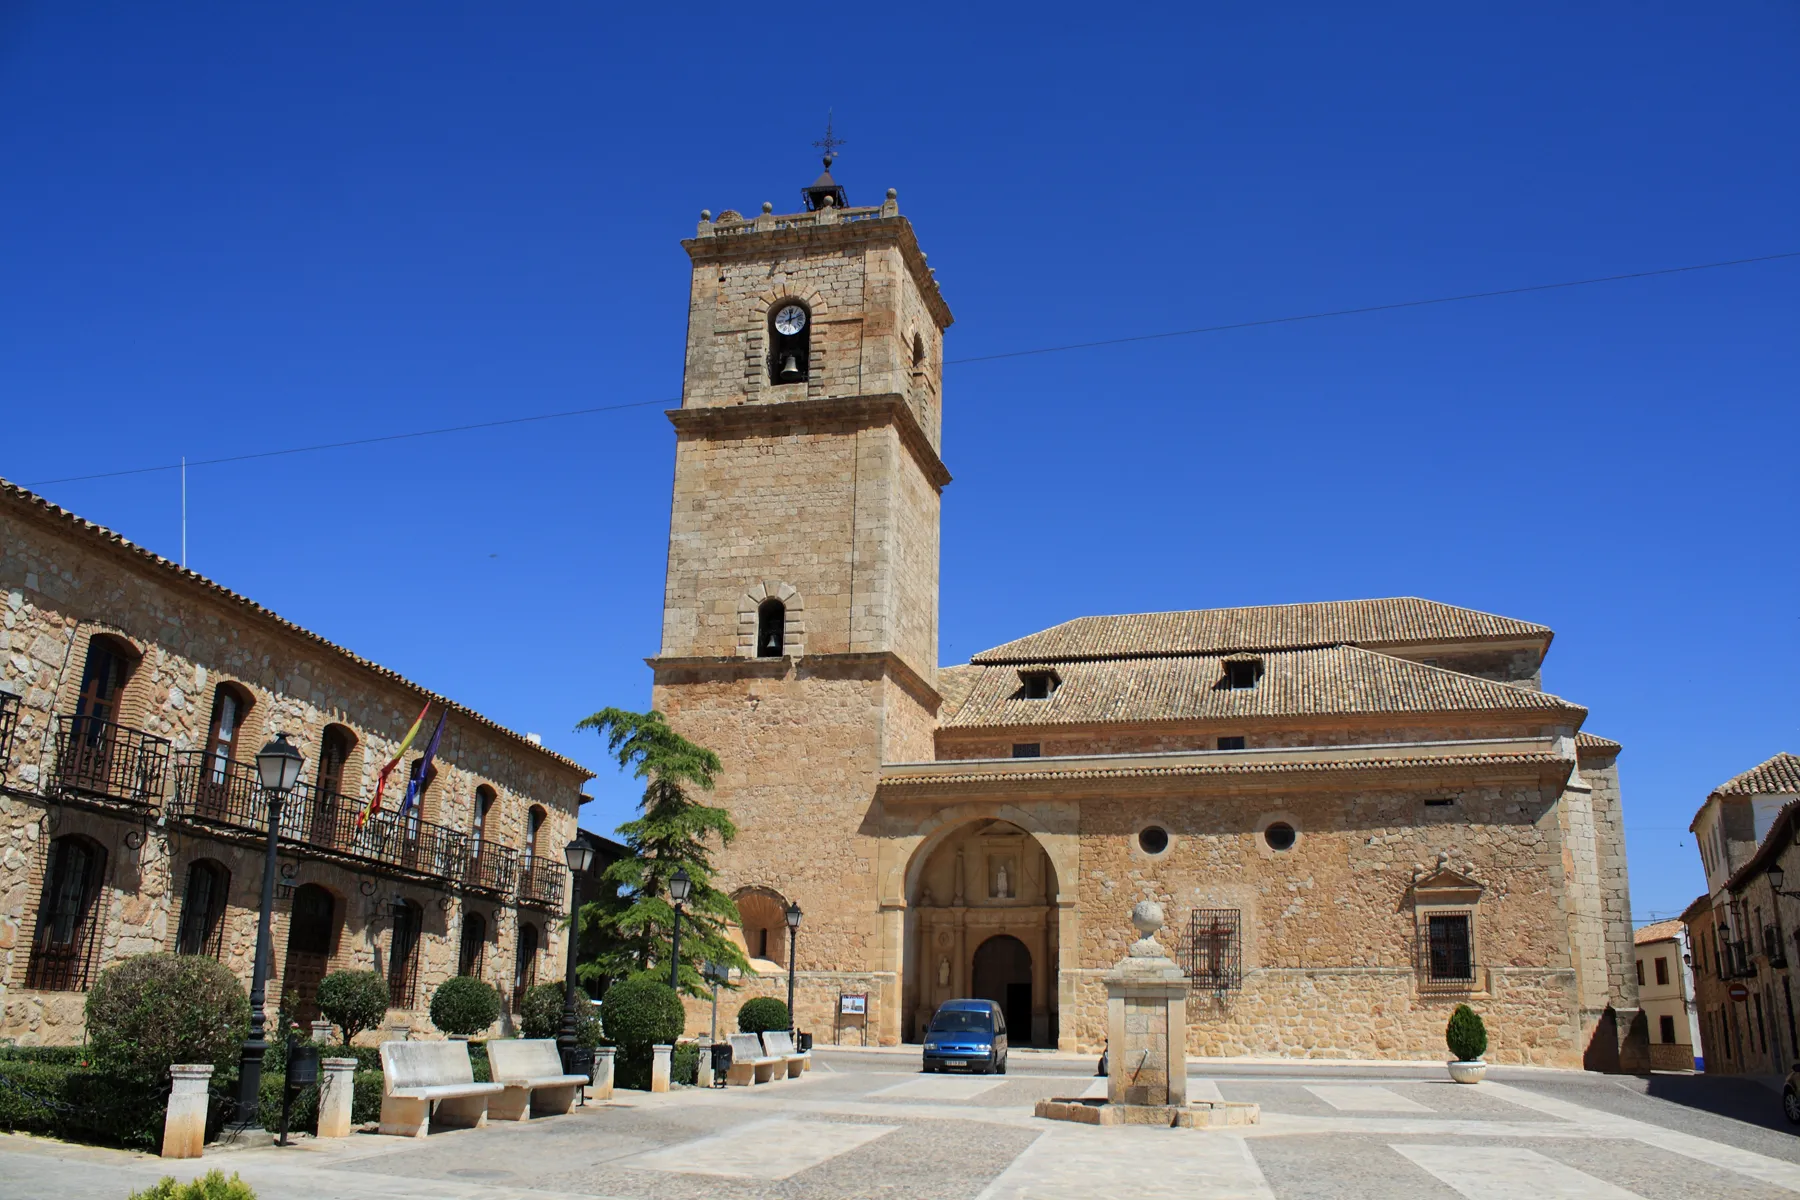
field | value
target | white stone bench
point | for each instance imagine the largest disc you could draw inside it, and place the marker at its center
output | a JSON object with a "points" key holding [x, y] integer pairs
{"points": [[418, 1077], [530, 1069], [748, 1062], [779, 1043]]}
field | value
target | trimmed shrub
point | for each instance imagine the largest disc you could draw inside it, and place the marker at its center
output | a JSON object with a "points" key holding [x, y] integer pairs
{"points": [[303, 1117], [68, 1056], [465, 1006], [29, 1092], [354, 1001], [1465, 1034], [211, 1186], [643, 1011], [684, 1064], [762, 1014], [541, 1013], [149, 1012]]}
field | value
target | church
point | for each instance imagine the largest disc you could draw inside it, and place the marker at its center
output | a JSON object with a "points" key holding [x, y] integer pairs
{"points": [[1357, 814]]}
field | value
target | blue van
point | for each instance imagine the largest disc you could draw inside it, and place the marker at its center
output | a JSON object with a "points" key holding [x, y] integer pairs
{"points": [[967, 1035]]}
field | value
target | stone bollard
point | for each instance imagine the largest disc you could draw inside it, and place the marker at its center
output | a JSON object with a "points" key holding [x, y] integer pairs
{"points": [[337, 1093], [659, 1070], [400, 1031], [703, 1075], [321, 1032], [184, 1126], [603, 1073]]}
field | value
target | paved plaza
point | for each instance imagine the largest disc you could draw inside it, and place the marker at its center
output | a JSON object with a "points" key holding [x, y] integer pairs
{"points": [[867, 1125]]}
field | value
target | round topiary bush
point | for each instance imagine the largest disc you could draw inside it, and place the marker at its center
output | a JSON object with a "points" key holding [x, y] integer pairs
{"points": [[643, 1011], [761, 1014], [152, 1011], [465, 1006], [541, 1014], [353, 1001], [1465, 1034]]}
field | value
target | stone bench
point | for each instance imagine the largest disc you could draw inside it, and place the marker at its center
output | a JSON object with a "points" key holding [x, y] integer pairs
{"points": [[779, 1043], [748, 1062], [531, 1071], [420, 1077]]}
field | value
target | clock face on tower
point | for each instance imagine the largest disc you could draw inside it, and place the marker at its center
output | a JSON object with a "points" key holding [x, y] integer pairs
{"points": [[790, 320]]}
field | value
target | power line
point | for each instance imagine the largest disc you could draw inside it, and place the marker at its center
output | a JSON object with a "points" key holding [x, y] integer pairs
{"points": [[1375, 308], [1119, 341]]}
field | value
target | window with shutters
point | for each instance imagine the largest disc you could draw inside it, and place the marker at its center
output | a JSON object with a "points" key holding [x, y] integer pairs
{"points": [[203, 909]]}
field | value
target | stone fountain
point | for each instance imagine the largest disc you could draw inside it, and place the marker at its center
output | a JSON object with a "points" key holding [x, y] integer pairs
{"points": [[1146, 1031]]}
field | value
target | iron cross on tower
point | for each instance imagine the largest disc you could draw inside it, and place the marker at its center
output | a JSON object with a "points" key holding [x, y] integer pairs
{"points": [[828, 143]]}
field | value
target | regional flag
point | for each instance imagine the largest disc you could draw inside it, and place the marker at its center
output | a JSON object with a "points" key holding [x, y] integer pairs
{"points": [[417, 783], [381, 780]]}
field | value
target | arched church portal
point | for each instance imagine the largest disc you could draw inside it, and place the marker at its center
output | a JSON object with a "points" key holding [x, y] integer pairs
{"points": [[983, 925]]}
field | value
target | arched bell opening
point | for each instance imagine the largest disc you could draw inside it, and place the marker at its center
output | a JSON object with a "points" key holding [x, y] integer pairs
{"points": [[983, 923]]}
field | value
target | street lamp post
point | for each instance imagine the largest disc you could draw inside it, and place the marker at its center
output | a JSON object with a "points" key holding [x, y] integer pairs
{"points": [[716, 973], [793, 923], [579, 855], [277, 770], [679, 889]]}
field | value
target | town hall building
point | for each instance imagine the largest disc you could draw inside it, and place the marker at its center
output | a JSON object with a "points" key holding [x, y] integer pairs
{"points": [[1357, 814]]}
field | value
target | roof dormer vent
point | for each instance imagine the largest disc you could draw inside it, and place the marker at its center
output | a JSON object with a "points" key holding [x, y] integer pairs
{"points": [[1241, 674], [1038, 684]]}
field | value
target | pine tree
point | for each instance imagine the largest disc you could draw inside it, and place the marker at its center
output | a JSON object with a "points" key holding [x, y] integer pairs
{"points": [[631, 931]]}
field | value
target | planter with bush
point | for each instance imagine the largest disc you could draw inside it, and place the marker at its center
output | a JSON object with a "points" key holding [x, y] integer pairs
{"points": [[762, 1014], [641, 1012], [354, 1001], [1467, 1038], [211, 1186], [464, 1006]]}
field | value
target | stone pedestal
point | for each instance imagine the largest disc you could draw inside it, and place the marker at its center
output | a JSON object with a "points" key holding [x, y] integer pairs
{"points": [[184, 1125], [321, 1031], [337, 1092], [400, 1031], [703, 1076], [659, 1070], [1146, 1021], [603, 1074]]}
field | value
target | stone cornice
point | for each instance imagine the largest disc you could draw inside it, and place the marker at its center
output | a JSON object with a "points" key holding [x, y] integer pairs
{"points": [[740, 420], [867, 664], [1544, 759]]}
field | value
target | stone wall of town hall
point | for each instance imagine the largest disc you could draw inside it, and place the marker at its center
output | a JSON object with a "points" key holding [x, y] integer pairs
{"points": [[65, 586]]}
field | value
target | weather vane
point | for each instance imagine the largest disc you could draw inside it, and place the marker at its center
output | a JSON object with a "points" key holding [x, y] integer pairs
{"points": [[828, 143]]}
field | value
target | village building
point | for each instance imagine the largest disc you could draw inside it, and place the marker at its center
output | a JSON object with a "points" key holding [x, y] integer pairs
{"points": [[1357, 814], [1666, 993], [134, 696], [1741, 929]]}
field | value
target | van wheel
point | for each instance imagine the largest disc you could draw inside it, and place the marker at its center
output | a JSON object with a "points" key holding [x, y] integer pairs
{"points": [[1790, 1105], [1001, 1069]]}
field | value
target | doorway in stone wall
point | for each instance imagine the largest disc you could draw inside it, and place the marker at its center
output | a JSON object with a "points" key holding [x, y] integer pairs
{"points": [[1002, 973], [308, 951]]}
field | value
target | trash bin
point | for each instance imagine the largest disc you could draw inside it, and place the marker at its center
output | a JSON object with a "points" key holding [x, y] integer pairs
{"points": [[579, 1060], [803, 1042], [721, 1062]]}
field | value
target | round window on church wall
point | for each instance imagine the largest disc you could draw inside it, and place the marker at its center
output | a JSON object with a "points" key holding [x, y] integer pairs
{"points": [[1279, 836], [1153, 839]]}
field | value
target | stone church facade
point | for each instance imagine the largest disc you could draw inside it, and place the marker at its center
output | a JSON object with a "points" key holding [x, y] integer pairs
{"points": [[1356, 814], [134, 696]]}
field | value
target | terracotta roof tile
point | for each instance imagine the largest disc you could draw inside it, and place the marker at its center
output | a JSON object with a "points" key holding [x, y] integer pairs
{"points": [[1778, 776], [34, 503], [1661, 931], [1388, 622], [1336, 679], [1593, 741], [1228, 768]]}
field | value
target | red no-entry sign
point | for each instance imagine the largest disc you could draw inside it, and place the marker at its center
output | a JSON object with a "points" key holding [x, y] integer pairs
{"points": [[1739, 992]]}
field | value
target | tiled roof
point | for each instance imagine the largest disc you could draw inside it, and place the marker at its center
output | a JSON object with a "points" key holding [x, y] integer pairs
{"points": [[1395, 621], [954, 685], [1224, 767], [1593, 741], [1335, 679], [1661, 931], [1778, 776], [32, 502]]}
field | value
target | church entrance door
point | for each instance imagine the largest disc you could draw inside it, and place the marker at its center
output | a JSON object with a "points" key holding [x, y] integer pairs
{"points": [[1002, 973]]}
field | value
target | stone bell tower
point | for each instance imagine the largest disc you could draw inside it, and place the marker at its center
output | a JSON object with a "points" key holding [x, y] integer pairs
{"points": [[800, 613]]}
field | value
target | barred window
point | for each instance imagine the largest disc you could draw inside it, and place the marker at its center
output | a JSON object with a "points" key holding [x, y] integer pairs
{"points": [[1450, 954], [1214, 949], [474, 943], [203, 909], [403, 954], [69, 918]]}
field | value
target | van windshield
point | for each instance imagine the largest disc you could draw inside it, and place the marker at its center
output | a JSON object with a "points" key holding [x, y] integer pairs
{"points": [[957, 1020]]}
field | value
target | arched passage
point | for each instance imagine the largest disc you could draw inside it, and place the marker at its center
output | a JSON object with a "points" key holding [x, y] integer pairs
{"points": [[982, 914]]}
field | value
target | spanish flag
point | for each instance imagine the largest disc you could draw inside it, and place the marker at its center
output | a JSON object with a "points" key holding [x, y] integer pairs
{"points": [[381, 780]]}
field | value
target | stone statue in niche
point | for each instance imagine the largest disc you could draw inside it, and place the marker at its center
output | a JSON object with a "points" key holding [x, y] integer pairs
{"points": [[943, 972], [1002, 884]]}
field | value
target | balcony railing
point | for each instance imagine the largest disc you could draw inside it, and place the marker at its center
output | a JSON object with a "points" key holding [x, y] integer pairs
{"points": [[1773, 950], [1735, 961], [110, 762], [541, 883], [9, 721], [227, 795]]}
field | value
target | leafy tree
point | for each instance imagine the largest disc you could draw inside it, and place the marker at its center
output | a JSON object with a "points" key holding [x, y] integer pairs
{"points": [[353, 1001], [465, 1005], [762, 1014], [673, 833], [541, 1014]]}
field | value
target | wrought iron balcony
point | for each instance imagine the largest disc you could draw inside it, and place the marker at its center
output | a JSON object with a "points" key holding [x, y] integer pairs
{"points": [[227, 795], [541, 883], [1735, 961], [1773, 950], [9, 721], [101, 760]]}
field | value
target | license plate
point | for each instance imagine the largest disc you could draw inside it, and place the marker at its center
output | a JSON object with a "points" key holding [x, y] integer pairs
{"points": [[956, 1062]]}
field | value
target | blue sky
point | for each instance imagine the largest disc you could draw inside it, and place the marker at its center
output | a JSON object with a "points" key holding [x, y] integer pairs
{"points": [[231, 228]]}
